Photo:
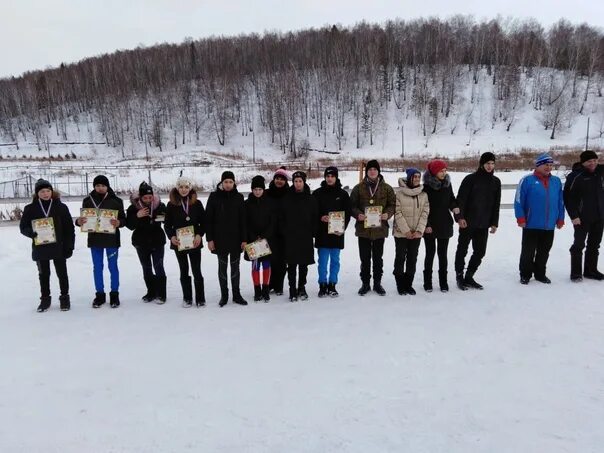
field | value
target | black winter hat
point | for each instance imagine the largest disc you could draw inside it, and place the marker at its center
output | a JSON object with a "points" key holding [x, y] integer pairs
{"points": [[486, 157], [258, 182], [227, 175], [299, 174], [145, 189], [372, 164], [42, 184], [588, 155], [331, 171], [100, 179]]}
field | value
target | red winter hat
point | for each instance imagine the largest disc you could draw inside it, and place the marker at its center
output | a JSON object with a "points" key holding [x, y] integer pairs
{"points": [[436, 165]]}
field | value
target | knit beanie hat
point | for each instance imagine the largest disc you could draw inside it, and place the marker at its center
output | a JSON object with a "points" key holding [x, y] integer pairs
{"points": [[145, 189], [227, 175], [436, 165], [372, 164], [331, 171], [486, 157], [588, 155], [281, 173], [410, 172], [42, 184], [543, 159], [101, 179], [299, 174], [183, 181], [258, 182]]}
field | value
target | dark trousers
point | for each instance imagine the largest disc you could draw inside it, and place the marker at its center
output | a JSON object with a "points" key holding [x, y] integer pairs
{"points": [[44, 275], [223, 262], [536, 245], [302, 271], [431, 249], [193, 256], [278, 265], [479, 238], [151, 259], [405, 261], [593, 233], [371, 251]]}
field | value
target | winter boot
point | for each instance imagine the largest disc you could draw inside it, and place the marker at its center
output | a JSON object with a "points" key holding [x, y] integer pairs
{"points": [[576, 265], [114, 299], [400, 285], [187, 291], [591, 267], [224, 297], [322, 290], [364, 289], [293, 294], [461, 282], [442, 281], [265, 293], [428, 281], [150, 284], [160, 290], [65, 302], [332, 291], [302, 294], [44, 304], [99, 299], [408, 281], [469, 281], [378, 288], [200, 295], [237, 297], [257, 293]]}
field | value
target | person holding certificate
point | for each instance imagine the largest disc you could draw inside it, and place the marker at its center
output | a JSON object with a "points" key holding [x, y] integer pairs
{"points": [[260, 221], [144, 217], [300, 226], [105, 239], [226, 234], [372, 202], [186, 222], [47, 221], [439, 229], [333, 204], [410, 218]]}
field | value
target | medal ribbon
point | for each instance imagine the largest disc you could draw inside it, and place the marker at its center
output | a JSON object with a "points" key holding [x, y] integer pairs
{"points": [[46, 213]]}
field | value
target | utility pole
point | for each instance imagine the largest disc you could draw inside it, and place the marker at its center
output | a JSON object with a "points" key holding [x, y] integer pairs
{"points": [[253, 146], [402, 140], [587, 136]]}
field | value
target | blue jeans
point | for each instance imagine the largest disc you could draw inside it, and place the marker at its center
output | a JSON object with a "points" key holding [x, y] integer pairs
{"points": [[97, 264], [333, 256]]}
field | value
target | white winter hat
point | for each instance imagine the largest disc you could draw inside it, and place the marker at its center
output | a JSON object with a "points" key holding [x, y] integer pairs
{"points": [[184, 181]]}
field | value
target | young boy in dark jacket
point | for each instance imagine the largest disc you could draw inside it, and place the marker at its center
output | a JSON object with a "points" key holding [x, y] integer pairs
{"points": [[103, 197], [226, 234], [276, 192], [144, 217], [47, 204]]}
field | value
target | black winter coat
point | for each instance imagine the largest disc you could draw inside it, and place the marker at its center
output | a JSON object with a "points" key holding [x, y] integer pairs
{"points": [[260, 218], [148, 232], [330, 199], [64, 230], [226, 220], [111, 201], [299, 224], [176, 217], [479, 198], [277, 196], [442, 202], [584, 194]]}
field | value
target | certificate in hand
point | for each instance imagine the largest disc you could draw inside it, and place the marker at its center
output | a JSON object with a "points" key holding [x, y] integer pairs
{"points": [[337, 222], [45, 229], [373, 216], [91, 221], [185, 236], [105, 218], [258, 249]]}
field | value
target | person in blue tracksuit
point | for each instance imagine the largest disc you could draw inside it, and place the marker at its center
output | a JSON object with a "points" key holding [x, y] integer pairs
{"points": [[539, 210]]}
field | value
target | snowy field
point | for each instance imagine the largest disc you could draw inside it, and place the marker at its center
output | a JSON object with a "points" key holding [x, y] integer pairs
{"points": [[508, 369]]}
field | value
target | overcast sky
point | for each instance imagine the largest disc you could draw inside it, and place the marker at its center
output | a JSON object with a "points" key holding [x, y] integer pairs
{"points": [[36, 34]]}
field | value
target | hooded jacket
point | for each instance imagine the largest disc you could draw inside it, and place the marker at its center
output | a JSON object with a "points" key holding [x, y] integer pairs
{"points": [[331, 199], [442, 202], [584, 194], [176, 217], [360, 199], [226, 220], [412, 209], [108, 201], [539, 202], [148, 232], [479, 199], [299, 225]]}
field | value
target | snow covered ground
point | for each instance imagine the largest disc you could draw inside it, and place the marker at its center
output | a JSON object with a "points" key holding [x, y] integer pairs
{"points": [[508, 369]]}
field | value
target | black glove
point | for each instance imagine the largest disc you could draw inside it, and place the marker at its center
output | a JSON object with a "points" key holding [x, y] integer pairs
{"points": [[68, 253]]}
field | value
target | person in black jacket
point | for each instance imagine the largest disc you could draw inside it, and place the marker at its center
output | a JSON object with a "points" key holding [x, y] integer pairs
{"points": [[144, 217], [478, 198], [584, 200], [260, 225], [277, 190], [185, 210], [47, 204], [330, 198], [103, 197], [226, 234], [300, 226], [437, 184]]}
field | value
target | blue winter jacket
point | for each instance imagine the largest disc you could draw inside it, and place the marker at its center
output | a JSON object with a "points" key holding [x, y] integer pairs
{"points": [[541, 207]]}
